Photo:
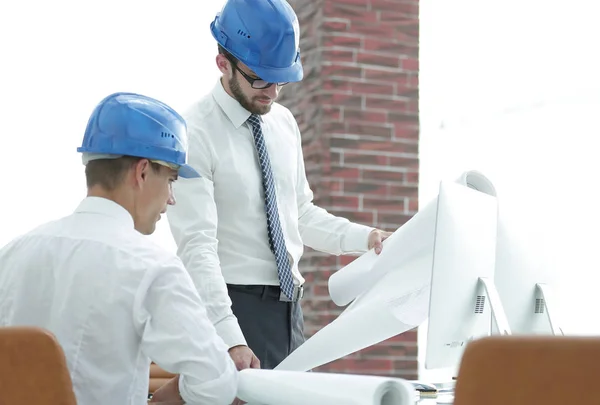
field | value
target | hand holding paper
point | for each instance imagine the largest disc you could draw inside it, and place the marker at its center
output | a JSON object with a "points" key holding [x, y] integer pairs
{"points": [[390, 292]]}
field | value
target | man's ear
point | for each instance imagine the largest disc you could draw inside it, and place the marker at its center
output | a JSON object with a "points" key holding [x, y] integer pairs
{"points": [[223, 64], [140, 171]]}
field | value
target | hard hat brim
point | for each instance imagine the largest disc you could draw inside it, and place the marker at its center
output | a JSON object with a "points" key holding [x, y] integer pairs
{"points": [[188, 172], [289, 74]]}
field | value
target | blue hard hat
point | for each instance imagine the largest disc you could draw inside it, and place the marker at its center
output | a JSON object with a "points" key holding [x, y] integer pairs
{"points": [[131, 124], [264, 35]]}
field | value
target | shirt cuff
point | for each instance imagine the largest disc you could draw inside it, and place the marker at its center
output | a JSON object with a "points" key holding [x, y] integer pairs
{"points": [[356, 239], [229, 330], [221, 390]]}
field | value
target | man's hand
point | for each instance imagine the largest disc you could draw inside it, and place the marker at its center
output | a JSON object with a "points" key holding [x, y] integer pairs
{"points": [[376, 237], [243, 357]]}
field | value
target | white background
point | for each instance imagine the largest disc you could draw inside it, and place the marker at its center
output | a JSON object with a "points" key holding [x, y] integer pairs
{"points": [[58, 60], [512, 89]]}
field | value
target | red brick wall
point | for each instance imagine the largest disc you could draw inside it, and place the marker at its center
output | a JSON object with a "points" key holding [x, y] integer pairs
{"points": [[357, 109]]}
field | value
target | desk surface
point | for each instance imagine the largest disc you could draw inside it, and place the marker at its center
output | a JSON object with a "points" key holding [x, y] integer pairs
{"points": [[446, 399], [444, 395]]}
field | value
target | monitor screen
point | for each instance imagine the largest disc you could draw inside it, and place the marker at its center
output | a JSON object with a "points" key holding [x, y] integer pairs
{"points": [[524, 280], [464, 253]]}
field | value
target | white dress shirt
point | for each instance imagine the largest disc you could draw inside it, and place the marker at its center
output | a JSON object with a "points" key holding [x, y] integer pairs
{"points": [[219, 222], [115, 301]]}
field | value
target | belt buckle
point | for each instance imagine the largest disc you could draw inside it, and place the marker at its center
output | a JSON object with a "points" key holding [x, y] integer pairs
{"points": [[296, 295]]}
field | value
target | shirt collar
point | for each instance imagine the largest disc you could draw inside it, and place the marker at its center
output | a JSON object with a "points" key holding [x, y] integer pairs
{"points": [[106, 207], [237, 114]]}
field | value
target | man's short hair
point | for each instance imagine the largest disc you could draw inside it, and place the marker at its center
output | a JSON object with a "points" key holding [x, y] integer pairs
{"points": [[109, 173], [234, 61]]}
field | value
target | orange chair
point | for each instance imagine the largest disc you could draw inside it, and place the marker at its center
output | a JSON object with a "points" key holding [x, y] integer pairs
{"points": [[33, 368], [524, 370]]}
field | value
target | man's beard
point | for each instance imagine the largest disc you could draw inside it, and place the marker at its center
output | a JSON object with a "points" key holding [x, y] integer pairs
{"points": [[251, 105]]}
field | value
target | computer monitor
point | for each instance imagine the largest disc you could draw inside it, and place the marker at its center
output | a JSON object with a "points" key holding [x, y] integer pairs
{"points": [[524, 280], [463, 300]]}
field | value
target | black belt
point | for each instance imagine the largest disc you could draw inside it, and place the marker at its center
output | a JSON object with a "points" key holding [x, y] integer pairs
{"points": [[268, 291]]}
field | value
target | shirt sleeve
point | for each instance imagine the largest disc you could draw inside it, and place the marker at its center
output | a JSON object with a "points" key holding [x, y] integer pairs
{"points": [[193, 222], [320, 229], [178, 336]]}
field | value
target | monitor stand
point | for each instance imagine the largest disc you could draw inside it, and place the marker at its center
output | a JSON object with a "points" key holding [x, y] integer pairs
{"points": [[498, 314], [544, 302], [487, 289]]}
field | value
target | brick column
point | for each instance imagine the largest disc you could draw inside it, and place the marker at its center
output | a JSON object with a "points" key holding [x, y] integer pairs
{"points": [[357, 109]]}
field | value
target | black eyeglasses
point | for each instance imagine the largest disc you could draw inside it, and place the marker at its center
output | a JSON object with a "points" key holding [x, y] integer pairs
{"points": [[255, 83]]}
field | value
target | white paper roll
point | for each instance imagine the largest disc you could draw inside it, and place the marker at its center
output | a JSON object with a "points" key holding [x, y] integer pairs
{"points": [[389, 292], [272, 387], [408, 243]]}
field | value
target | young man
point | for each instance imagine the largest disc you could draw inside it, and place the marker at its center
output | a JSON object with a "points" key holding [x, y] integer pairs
{"points": [[113, 299], [241, 229]]}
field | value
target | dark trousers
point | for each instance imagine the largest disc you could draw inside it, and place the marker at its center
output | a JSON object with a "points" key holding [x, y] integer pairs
{"points": [[272, 328]]}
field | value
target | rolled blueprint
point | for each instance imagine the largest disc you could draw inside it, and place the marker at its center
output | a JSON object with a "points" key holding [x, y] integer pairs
{"points": [[408, 243], [272, 387], [389, 293]]}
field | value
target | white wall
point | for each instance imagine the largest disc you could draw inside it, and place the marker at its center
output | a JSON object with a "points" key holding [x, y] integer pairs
{"points": [[58, 59], [512, 89]]}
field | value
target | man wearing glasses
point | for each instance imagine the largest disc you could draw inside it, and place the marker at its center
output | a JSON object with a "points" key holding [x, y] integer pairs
{"points": [[241, 229]]}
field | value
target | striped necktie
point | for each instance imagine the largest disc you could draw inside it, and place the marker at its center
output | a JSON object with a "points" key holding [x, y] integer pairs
{"points": [[276, 240]]}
